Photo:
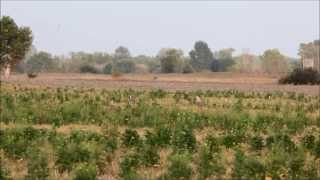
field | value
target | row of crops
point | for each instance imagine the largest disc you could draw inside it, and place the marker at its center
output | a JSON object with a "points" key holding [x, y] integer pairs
{"points": [[158, 134]]}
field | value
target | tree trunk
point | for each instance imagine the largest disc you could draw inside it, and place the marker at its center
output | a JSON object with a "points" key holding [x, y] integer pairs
{"points": [[7, 71]]}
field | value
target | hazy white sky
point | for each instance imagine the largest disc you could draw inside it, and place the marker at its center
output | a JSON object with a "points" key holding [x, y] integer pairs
{"points": [[145, 27]]}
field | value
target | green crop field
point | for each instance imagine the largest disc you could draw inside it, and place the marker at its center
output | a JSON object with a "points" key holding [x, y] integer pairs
{"points": [[83, 133]]}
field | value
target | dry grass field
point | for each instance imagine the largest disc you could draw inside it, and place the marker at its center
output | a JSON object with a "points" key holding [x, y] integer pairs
{"points": [[169, 82]]}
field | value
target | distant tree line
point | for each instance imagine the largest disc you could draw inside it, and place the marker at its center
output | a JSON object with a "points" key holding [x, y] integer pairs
{"points": [[17, 52]]}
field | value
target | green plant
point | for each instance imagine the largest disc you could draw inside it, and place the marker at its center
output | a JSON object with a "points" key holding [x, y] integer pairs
{"points": [[246, 167], [37, 165], [149, 155], [256, 143], [130, 138], [179, 167], [85, 171], [209, 164], [308, 141], [184, 139], [128, 165], [4, 174]]}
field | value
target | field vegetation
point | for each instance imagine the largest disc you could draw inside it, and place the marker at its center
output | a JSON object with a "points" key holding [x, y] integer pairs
{"points": [[87, 133]]}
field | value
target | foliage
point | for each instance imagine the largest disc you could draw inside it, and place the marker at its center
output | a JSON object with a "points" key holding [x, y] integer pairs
{"points": [[247, 167], [107, 69], [121, 53], [41, 61], [274, 62], [170, 60], [15, 41], [88, 69], [187, 68], [201, 56], [37, 165], [179, 167], [131, 138], [85, 171], [301, 76], [184, 139]]}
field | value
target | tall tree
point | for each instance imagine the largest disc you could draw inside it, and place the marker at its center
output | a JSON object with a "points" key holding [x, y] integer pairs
{"points": [[201, 56], [311, 50], [225, 58], [121, 53], [170, 60], [15, 43], [274, 62], [41, 62]]}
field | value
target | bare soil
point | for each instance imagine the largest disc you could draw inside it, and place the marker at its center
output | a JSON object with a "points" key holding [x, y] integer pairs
{"points": [[169, 82]]}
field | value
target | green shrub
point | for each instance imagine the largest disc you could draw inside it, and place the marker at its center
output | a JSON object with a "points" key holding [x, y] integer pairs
{"points": [[68, 154], [131, 138], [316, 149], [256, 143], [247, 167], [301, 76], [149, 155], [161, 137], [295, 165], [308, 141], [85, 171], [183, 139], [212, 144], [4, 174], [107, 69], [179, 167], [208, 164], [37, 165], [128, 165], [88, 69]]}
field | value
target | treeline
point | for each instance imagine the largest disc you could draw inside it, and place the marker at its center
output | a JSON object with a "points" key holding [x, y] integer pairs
{"points": [[168, 60]]}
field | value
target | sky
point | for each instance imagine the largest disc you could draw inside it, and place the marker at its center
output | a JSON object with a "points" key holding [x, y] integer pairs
{"points": [[60, 27]]}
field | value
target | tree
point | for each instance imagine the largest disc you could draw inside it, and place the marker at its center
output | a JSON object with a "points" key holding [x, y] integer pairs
{"points": [[201, 56], [311, 50], [41, 61], [15, 43], [274, 62], [170, 60], [121, 53], [225, 58]]}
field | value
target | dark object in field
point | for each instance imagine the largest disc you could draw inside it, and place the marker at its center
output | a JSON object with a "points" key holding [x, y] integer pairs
{"points": [[88, 69], [301, 76], [32, 75]]}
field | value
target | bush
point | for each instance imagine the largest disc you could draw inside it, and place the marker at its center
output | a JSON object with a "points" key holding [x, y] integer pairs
{"points": [[308, 141], [183, 139], [256, 143], [247, 167], [180, 166], [85, 171], [130, 138], [161, 137], [107, 69], [208, 164], [37, 166], [301, 76], [88, 69], [4, 175], [128, 166], [187, 68], [149, 156]]}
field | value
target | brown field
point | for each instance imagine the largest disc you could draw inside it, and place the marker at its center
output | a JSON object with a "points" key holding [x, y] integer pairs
{"points": [[170, 82]]}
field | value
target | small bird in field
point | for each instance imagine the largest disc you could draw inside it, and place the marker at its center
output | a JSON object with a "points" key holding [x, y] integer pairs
{"points": [[155, 77]]}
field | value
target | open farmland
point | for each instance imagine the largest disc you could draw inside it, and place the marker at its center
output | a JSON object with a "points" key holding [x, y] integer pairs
{"points": [[89, 126], [169, 82]]}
